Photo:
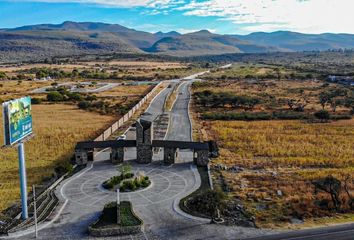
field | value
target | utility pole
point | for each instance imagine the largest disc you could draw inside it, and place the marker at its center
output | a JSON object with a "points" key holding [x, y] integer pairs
{"points": [[35, 210]]}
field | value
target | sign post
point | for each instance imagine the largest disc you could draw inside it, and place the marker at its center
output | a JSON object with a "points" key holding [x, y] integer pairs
{"points": [[23, 179], [18, 126]]}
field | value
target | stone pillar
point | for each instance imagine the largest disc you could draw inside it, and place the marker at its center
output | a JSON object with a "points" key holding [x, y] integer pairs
{"points": [[117, 155], [144, 153], [201, 158], [144, 141], [169, 155], [81, 156]]}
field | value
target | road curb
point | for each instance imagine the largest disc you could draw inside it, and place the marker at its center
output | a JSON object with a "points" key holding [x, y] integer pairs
{"points": [[176, 202]]}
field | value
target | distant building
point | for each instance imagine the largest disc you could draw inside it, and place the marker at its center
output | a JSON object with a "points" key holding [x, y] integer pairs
{"points": [[345, 80]]}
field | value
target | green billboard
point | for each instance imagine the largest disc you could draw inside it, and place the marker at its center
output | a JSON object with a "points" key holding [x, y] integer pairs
{"points": [[17, 120]]}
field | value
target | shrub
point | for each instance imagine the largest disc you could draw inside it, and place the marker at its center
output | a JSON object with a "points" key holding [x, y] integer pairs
{"points": [[74, 96], [207, 202], [36, 101], [84, 105], [323, 115], [243, 116], [55, 96], [91, 98], [287, 115]]}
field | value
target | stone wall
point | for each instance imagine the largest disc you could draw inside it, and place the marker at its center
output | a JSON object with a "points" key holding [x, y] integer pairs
{"points": [[109, 131], [201, 158], [144, 153], [114, 231], [81, 157], [169, 155]]}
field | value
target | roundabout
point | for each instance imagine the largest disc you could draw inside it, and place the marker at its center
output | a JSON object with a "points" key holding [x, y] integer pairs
{"points": [[166, 184]]}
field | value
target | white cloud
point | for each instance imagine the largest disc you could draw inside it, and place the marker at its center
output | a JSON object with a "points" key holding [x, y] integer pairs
{"points": [[312, 16], [121, 3]]}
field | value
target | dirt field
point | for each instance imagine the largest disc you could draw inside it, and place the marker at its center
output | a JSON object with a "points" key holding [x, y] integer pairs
{"points": [[52, 145]]}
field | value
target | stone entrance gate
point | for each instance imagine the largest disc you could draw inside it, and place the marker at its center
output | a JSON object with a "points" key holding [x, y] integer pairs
{"points": [[144, 144]]}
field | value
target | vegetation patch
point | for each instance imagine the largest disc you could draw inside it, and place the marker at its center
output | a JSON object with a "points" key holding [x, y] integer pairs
{"points": [[109, 215], [126, 181]]}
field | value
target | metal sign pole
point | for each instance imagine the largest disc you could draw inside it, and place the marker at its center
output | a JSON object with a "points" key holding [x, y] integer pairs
{"points": [[35, 210], [23, 179]]}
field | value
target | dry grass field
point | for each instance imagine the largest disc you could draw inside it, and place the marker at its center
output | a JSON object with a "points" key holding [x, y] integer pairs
{"points": [[270, 165], [83, 65], [15, 89], [275, 94], [57, 128], [283, 156], [286, 143]]}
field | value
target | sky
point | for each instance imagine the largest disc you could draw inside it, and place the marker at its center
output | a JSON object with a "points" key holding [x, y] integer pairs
{"points": [[219, 16]]}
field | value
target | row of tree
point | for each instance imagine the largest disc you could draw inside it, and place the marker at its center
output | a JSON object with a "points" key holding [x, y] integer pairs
{"points": [[222, 99]]}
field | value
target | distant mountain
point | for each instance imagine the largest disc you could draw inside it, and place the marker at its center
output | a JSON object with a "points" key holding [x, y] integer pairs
{"points": [[168, 34], [205, 43], [292, 41], [138, 39], [37, 42]]}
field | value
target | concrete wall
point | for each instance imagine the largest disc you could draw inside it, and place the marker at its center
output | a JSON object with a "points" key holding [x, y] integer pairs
{"points": [[108, 132]]}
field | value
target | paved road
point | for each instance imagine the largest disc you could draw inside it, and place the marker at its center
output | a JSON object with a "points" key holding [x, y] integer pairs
{"points": [[157, 104], [340, 232], [180, 127]]}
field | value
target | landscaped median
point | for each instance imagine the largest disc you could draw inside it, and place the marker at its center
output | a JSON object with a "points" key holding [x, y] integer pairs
{"points": [[107, 225]]}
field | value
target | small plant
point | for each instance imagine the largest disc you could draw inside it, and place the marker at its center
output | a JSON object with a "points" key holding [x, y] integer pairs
{"points": [[125, 169]]}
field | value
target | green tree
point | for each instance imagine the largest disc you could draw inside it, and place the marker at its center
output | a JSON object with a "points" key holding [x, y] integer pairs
{"points": [[324, 99], [332, 186], [55, 96]]}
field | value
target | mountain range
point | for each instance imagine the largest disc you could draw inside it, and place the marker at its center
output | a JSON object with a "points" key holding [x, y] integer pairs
{"points": [[37, 42]]}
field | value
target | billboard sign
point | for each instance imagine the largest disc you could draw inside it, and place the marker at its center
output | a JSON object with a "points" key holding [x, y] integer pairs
{"points": [[17, 120]]}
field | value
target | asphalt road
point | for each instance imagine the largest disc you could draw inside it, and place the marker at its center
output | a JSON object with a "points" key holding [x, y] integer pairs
{"points": [[339, 232], [180, 127]]}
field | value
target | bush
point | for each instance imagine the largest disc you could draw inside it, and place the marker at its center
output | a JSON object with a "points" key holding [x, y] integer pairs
{"points": [[243, 116], [341, 117], [74, 96], [207, 202], [36, 101], [84, 105], [323, 115], [287, 115], [55, 97], [129, 185]]}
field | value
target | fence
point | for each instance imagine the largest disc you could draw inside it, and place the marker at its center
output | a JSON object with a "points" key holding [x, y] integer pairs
{"points": [[114, 127]]}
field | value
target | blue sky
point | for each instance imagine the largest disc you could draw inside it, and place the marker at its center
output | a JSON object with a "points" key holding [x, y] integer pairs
{"points": [[220, 16]]}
